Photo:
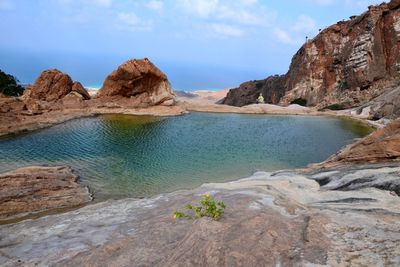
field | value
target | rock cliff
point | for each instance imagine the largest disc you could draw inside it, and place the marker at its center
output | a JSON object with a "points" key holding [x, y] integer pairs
{"points": [[347, 63], [140, 81]]}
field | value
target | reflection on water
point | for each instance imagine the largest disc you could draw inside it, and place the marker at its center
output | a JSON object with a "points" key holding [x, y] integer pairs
{"points": [[122, 155]]}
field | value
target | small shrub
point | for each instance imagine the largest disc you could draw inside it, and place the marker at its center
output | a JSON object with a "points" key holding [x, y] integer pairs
{"points": [[299, 101], [207, 207], [343, 85], [335, 107], [9, 85]]}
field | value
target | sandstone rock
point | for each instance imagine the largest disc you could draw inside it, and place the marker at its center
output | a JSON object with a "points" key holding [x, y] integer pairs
{"points": [[11, 104], [77, 87], [53, 85], [381, 146], [342, 63], [139, 80], [36, 189], [74, 100]]}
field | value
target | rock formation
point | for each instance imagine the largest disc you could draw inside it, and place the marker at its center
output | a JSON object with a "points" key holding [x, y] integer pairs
{"points": [[272, 88], [49, 88], [341, 64], [381, 146], [140, 81], [36, 189]]}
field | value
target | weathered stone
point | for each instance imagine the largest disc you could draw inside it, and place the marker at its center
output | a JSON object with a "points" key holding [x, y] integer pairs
{"points": [[380, 146], [53, 85], [139, 80], [36, 189], [77, 87], [271, 219], [341, 64]]}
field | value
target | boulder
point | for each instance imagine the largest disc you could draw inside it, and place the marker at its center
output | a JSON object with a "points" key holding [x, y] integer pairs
{"points": [[140, 80], [52, 85]]}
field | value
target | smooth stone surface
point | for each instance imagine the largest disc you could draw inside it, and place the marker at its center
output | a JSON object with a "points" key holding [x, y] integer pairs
{"points": [[280, 218]]}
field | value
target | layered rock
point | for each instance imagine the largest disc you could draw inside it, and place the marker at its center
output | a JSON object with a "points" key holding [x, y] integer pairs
{"points": [[36, 189], [344, 61], [381, 146], [140, 81]]}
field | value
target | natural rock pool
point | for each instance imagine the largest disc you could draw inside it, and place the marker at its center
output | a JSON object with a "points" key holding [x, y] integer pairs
{"points": [[138, 156]]}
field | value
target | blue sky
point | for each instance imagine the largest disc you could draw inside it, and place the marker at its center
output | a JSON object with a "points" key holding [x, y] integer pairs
{"points": [[199, 44]]}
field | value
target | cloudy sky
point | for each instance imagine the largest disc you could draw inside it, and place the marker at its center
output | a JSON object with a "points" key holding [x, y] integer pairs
{"points": [[199, 44]]}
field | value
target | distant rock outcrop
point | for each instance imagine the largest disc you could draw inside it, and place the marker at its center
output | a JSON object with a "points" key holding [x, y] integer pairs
{"points": [[272, 88], [140, 81], [342, 64]]}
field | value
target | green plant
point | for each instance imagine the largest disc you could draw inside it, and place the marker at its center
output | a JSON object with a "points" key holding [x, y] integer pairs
{"points": [[335, 107], [207, 207], [9, 85], [299, 101]]}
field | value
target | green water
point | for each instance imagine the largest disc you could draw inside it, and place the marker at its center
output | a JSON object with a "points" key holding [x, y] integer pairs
{"points": [[138, 156]]}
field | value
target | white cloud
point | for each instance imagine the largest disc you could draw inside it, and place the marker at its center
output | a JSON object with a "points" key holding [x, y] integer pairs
{"points": [[285, 37], [225, 30], [6, 5], [243, 12], [132, 22], [202, 8], [155, 5], [305, 24], [102, 3]]}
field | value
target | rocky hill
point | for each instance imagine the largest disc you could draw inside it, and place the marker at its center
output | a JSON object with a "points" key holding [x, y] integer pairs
{"points": [[348, 63]]}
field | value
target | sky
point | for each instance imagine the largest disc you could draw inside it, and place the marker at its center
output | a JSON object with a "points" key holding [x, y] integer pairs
{"points": [[199, 44]]}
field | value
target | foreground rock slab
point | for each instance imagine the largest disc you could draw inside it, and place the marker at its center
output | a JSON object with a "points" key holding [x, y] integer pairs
{"points": [[271, 219], [37, 189]]}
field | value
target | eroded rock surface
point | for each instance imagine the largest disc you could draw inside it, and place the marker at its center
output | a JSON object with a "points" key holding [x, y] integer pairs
{"points": [[35, 189], [271, 219], [381, 146], [348, 63], [140, 81]]}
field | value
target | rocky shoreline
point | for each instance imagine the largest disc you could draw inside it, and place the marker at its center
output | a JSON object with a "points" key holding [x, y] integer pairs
{"points": [[284, 218]]}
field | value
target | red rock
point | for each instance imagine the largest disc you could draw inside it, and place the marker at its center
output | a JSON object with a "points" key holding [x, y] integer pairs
{"points": [[139, 80], [381, 146], [77, 87], [344, 64]]}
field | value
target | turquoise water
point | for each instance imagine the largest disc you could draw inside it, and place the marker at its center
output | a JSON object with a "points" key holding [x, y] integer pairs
{"points": [[138, 156]]}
